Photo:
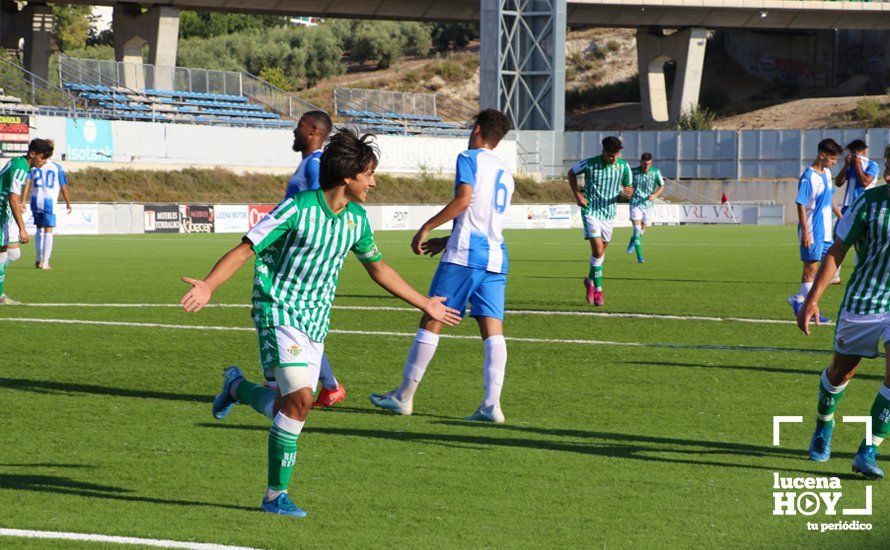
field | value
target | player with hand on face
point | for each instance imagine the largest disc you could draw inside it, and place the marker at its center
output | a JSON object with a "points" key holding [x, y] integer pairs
{"points": [[473, 268], [300, 247], [13, 178], [606, 177]]}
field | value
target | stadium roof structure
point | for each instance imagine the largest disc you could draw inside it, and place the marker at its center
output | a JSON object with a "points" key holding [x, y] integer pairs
{"points": [[763, 14]]}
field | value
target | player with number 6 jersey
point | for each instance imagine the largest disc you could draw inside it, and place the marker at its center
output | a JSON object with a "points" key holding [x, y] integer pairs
{"points": [[473, 268]]}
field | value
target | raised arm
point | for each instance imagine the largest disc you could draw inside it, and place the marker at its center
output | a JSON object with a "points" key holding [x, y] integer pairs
{"points": [[841, 177], [228, 265], [390, 280], [453, 209]]}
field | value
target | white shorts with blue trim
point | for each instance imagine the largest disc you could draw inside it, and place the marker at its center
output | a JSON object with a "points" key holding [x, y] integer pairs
{"points": [[595, 228], [861, 335], [484, 290]]}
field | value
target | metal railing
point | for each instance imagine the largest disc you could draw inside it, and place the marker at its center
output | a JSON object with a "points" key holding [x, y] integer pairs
{"points": [[144, 76], [34, 91], [408, 103]]}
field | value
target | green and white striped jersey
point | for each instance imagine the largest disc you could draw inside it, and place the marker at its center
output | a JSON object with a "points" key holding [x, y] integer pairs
{"points": [[645, 183], [12, 179], [867, 225], [602, 185], [300, 247]]}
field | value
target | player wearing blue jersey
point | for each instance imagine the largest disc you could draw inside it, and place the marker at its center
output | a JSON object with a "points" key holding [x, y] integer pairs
{"points": [[815, 205], [47, 182], [473, 267], [859, 173], [310, 134]]}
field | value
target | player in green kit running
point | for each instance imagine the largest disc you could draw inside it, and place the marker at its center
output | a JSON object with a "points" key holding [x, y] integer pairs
{"points": [[13, 177], [606, 177], [863, 326], [648, 184], [300, 247]]}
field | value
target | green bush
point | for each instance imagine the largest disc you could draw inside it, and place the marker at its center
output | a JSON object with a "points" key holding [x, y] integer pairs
{"points": [[699, 118], [275, 76], [595, 96], [872, 113]]}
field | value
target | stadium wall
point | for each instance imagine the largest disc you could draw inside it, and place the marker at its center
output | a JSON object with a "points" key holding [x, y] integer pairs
{"points": [[145, 145], [134, 218]]}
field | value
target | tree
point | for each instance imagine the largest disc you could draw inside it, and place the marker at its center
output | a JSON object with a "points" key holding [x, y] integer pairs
{"points": [[324, 54], [448, 36], [210, 24], [71, 26]]}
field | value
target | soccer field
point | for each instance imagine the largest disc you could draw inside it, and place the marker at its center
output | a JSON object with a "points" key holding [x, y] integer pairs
{"points": [[653, 429]]}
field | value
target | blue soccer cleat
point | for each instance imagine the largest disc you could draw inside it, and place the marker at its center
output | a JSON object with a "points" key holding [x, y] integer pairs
{"points": [[223, 402], [389, 402], [796, 305], [491, 414], [640, 260], [630, 248], [865, 462], [283, 506], [820, 445]]}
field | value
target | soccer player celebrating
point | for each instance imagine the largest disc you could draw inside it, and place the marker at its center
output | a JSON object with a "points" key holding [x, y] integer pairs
{"points": [[310, 134], [12, 180], [647, 184], [815, 204], [863, 324], [300, 247], [606, 177], [473, 267], [47, 182]]}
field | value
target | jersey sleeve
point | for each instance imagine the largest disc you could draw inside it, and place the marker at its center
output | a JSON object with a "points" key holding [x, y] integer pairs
{"points": [[312, 171], [626, 180], [873, 170], [579, 166], [854, 223], [466, 170], [273, 225], [365, 249], [63, 179], [20, 174], [804, 190], [659, 179]]}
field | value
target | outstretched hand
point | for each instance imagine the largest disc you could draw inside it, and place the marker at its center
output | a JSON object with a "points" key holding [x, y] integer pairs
{"points": [[809, 310], [435, 307], [432, 247], [196, 298], [417, 241]]}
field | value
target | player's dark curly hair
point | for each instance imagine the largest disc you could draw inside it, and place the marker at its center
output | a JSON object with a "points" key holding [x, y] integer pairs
{"points": [[346, 156], [43, 147], [493, 125]]}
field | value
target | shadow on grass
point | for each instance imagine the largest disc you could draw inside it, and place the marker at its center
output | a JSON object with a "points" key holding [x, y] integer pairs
{"points": [[68, 486], [49, 387], [605, 444], [815, 372]]}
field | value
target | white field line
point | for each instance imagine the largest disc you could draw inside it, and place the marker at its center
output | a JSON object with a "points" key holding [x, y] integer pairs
{"points": [[54, 535], [598, 314], [669, 345]]}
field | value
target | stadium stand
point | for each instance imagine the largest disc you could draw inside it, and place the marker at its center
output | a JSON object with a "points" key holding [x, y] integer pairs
{"points": [[401, 113]]}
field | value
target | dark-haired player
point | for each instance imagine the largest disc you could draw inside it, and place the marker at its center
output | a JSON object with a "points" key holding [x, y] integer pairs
{"points": [[300, 247], [473, 267]]}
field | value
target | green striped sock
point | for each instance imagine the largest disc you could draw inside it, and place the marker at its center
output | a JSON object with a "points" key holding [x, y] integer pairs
{"points": [[282, 458], [598, 277], [258, 397], [2, 276], [829, 397], [880, 416]]}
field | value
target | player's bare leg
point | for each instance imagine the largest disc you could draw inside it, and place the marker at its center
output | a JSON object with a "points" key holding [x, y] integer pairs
{"points": [[832, 386], [808, 276]]}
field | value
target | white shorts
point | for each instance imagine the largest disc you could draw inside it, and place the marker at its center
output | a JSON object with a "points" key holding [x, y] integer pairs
{"points": [[10, 233], [290, 358], [638, 214], [862, 335], [595, 228]]}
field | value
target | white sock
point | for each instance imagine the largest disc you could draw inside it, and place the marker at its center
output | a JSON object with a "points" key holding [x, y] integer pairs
{"points": [[326, 375], [38, 244], [47, 248], [804, 290], [419, 356], [494, 368]]}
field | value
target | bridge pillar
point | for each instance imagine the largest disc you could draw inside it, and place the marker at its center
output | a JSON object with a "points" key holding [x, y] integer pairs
{"points": [[34, 24], [523, 61], [686, 47], [133, 29]]}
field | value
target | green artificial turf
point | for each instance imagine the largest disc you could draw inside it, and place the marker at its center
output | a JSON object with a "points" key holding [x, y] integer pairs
{"points": [[660, 435]]}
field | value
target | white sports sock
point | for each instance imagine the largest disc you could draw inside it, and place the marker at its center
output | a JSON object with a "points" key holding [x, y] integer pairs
{"points": [[494, 368], [47, 248], [326, 375], [419, 356], [38, 244], [804, 290], [13, 254]]}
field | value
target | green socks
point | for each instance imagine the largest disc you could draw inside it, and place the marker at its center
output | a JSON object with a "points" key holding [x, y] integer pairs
{"points": [[829, 396], [2, 276], [638, 242], [260, 398], [880, 417], [282, 451], [595, 273]]}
